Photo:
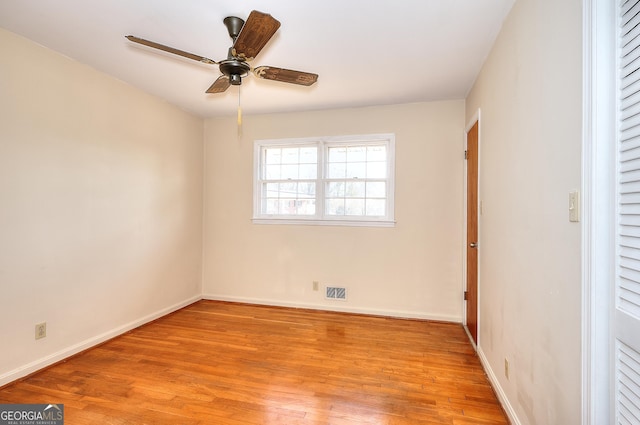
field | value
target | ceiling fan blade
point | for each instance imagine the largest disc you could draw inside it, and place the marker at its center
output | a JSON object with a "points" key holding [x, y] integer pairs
{"points": [[255, 33], [220, 85], [171, 50], [285, 75]]}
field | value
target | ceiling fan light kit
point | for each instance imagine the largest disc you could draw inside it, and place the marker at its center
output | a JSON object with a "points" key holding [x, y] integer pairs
{"points": [[248, 40]]}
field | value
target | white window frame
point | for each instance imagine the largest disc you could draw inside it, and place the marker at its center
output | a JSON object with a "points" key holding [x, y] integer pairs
{"points": [[320, 218]]}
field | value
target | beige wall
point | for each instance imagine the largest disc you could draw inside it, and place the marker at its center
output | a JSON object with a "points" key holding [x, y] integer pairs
{"points": [[413, 269], [529, 92], [101, 206]]}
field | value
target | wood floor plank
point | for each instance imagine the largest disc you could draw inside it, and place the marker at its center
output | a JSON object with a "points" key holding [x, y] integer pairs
{"points": [[231, 364]]}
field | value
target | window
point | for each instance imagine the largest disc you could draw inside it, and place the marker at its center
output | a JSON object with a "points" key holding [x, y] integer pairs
{"points": [[330, 180]]}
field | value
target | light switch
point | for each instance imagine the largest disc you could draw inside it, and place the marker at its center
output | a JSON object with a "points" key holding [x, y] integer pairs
{"points": [[574, 206]]}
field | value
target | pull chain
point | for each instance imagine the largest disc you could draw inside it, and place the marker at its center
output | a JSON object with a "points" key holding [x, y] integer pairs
{"points": [[239, 115]]}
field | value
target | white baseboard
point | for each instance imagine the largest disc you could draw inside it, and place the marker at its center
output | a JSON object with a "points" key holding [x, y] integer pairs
{"points": [[508, 408], [337, 308], [34, 366]]}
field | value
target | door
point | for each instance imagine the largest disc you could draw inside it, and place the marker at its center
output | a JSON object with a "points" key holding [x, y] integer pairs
{"points": [[471, 294], [626, 303], [611, 230]]}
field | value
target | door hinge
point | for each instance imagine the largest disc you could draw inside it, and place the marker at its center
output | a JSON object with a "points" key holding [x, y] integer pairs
{"points": [[466, 296], [466, 154]]}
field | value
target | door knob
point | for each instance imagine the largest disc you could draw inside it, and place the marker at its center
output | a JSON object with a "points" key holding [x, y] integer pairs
{"points": [[473, 245]]}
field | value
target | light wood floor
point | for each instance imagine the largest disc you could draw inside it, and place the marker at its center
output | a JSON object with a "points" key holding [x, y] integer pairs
{"points": [[234, 364]]}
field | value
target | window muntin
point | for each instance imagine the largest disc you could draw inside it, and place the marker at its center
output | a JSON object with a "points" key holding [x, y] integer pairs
{"points": [[325, 181]]}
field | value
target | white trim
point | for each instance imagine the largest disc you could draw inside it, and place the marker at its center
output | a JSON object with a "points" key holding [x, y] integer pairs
{"points": [[597, 203], [58, 356], [472, 121], [495, 383], [466, 330], [475, 118], [588, 350], [338, 307], [315, 222]]}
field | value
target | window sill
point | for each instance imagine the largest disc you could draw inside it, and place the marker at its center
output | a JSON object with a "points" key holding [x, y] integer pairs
{"points": [[315, 222]]}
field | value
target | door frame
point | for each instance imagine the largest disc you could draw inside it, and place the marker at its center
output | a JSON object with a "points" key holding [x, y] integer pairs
{"points": [[474, 118], [598, 235]]}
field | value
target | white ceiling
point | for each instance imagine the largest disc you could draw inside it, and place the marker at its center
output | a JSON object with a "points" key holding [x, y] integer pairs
{"points": [[372, 52]]}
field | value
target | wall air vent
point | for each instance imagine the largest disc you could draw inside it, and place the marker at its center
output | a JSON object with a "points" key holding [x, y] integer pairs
{"points": [[336, 293]]}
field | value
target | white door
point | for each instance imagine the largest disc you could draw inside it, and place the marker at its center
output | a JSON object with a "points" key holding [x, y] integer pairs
{"points": [[625, 361]]}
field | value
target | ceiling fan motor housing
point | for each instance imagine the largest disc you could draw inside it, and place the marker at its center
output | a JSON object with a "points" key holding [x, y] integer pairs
{"points": [[235, 70]]}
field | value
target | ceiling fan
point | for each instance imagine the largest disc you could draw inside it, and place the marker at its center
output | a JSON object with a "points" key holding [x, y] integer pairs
{"points": [[248, 40]]}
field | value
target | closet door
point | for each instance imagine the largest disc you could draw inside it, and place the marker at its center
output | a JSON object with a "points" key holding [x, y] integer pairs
{"points": [[626, 299]]}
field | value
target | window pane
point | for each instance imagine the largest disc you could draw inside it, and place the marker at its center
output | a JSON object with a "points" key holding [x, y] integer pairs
{"points": [[287, 206], [271, 190], [308, 171], [289, 171], [272, 172], [290, 155], [335, 190], [270, 206], [273, 155], [376, 190], [376, 207], [335, 206], [306, 190], [356, 154], [355, 190], [354, 207], [376, 170], [376, 153], [306, 206], [356, 170], [337, 154], [309, 155], [288, 190], [337, 171]]}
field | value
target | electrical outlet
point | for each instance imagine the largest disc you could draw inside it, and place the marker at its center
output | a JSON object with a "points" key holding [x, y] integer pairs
{"points": [[41, 330], [316, 285], [506, 368]]}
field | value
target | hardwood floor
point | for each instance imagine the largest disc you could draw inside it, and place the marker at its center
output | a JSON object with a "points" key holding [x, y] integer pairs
{"points": [[235, 364]]}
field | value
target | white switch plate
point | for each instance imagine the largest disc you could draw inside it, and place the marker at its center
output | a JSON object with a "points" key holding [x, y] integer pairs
{"points": [[574, 206]]}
